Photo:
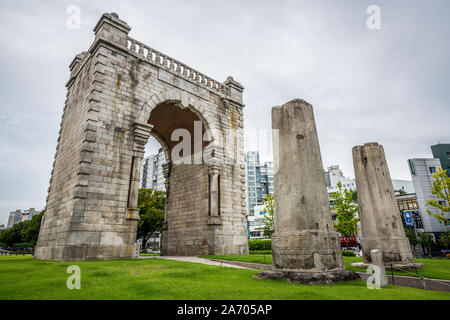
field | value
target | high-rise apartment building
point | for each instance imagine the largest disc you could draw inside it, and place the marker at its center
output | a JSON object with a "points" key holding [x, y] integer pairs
{"points": [[152, 173], [20, 216], [441, 151], [333, 176], [259, 180]]}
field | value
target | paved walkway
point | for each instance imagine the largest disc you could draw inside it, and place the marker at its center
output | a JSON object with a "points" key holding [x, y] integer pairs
{"points": [[194, 260]]}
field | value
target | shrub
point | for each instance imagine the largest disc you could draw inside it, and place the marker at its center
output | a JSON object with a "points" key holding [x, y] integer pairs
{"points": [[258, 245], [347, 253], [261, 252], [23, 245]]}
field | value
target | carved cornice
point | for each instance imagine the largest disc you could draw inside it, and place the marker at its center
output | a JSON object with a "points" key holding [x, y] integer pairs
{"points": [[141, 133]]}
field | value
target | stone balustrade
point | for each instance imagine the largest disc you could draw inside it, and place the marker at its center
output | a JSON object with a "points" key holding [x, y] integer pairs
{"points": [[176, 67]]}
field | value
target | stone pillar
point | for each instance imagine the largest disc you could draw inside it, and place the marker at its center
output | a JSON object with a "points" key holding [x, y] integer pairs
{"points": [[214, 197], [141, 134], [381, 224], [166, 167], [214, 218], [305, 246]]}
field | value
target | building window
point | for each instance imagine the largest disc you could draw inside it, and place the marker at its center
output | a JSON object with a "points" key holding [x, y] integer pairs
{"points": [[432, 170]]}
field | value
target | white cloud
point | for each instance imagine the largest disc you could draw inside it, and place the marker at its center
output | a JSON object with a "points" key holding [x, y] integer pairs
{"points": [[389, 86]]}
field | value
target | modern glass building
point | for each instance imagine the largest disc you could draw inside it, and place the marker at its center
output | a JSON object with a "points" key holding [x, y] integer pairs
{"points": [[441, 151], [422, 171], [259, 180]]}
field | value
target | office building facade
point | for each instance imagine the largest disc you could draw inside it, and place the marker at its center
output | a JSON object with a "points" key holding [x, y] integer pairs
{"points": [[259, 180], [422, 171]]}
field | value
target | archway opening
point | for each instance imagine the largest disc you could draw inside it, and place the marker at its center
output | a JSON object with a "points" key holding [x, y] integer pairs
{"points": [[173, 163], [172, 124]]}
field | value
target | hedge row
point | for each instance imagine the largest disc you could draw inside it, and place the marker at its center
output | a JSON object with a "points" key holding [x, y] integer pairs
{"points": [[346, 253], [18, 245], [258, 245], [261, 252]]}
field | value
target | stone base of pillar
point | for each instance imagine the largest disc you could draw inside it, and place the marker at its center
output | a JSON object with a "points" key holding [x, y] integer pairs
{"points": [[307, 250], [397, 266], [86, 252], [311, 278], [395, 249]]}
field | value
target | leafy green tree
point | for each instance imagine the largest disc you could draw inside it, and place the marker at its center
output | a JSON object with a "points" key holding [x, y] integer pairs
{"points": [[412, 237], [426, 239], [354, 195], [30, 229], [410, 233], [12, 235], [441, 189], [268, 217], [346, 210], [445, 238], [151, 204], [23, 232]]}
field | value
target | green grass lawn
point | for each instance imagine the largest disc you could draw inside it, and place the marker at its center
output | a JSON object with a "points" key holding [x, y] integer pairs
{"points": [[437, 268], [22, 277]]}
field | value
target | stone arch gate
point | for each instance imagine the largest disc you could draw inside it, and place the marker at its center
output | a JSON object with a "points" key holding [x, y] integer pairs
{"points": [[120, 92]]}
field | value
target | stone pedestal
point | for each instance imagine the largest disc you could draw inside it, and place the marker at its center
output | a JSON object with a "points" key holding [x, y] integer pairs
{"points": [[381, 224], [305, 246]]}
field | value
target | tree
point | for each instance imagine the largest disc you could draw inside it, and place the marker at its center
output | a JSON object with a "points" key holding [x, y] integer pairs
{"points": [[23, 232], [151, 204], [401, 191], [441, 189], [30, 230], [354, 195], [445, 238], [268, 217], [410, 233], [346, 209], [426, 239], [11, 235]]}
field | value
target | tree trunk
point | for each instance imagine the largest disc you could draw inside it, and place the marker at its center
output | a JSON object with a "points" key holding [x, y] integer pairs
{"points": [[144, 242]]}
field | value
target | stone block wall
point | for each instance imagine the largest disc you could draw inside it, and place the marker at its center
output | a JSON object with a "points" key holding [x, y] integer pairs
{"points": [[91, 210]]}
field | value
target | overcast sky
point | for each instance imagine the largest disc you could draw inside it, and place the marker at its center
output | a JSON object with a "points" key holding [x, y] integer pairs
{"points": [[389, 85]]}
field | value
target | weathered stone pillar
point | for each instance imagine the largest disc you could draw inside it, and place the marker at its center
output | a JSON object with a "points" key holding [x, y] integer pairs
{"points": [[214, 218], [214, 197], [305, 247], [166, 168], [141, 134], [381, 224]]}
